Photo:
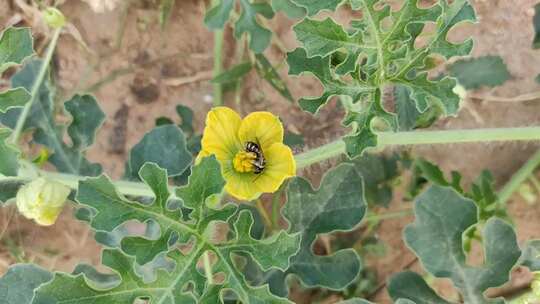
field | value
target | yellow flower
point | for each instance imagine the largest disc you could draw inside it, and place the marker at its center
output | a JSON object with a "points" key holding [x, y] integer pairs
{"points": [[42, 200], [251, 152]]}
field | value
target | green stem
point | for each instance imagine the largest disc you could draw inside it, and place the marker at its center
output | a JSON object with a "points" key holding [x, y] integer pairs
{"points": [[208, 268], [264, 214], [35, 86], [72, 181], [519, 177], [337, 148], [218, 63]]}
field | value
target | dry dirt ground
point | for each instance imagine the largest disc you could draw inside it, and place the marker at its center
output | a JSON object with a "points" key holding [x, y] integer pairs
{"points": [[127, 43]]}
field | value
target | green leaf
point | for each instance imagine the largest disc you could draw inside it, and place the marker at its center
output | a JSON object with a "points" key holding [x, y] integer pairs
{"points": [[408, 115], [411, 286], [531, 255], [378, 174], [436, 237], [388, 55], [474, 73], [482, 190], [259, 36], [536, 27], [87, 119], [315, 6], [318, 66], [86, 115], [9, 155], [186, 114], [218, 15], [247, 23], [193, 224], [13, 98], [16, 44], [234, 74], [164, 145], [322, 38], [9, 189], [165, 11], [293, 140], [338, 205], [268, 72], [18, 284], [288, 7], [204, 182]]}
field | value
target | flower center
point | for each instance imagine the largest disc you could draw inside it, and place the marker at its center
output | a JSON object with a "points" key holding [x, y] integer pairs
{"points": [[243, 161]]}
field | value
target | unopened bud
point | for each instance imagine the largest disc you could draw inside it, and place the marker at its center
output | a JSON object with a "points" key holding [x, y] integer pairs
{"points": [[54, 17], [42, 200]]}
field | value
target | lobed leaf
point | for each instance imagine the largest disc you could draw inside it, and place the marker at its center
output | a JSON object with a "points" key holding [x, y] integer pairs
{"points": [[16, 44], [300, 63], [338, 205], [247, 22], [140, 273], [358, 62], [13, 98], [86, 115], [436, 237]]}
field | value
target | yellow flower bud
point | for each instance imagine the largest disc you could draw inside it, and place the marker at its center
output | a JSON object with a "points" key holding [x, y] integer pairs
{"points": [[54, 17], [42, 200]]}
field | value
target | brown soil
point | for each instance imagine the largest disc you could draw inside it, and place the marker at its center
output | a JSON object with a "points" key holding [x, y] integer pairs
{"points": [[154, 59]]}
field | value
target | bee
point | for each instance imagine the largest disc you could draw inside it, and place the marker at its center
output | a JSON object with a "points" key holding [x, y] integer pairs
{"points": [[259, 162]]}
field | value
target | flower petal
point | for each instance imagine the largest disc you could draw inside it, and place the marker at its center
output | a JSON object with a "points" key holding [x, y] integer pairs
{"points": [[263, 128], [241, 185], [220, 135], [280, 165]]}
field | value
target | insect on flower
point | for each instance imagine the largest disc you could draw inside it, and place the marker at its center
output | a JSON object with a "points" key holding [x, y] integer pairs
{"points": [[251, 152], [259, 162]]}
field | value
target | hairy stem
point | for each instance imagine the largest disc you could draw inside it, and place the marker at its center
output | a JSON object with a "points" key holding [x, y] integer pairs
{"points": [[337, 148], [35, 86], [519, 178]]}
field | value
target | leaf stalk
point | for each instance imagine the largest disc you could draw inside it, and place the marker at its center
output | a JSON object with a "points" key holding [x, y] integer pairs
{"points": [[35, 87], [519, 178]]}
